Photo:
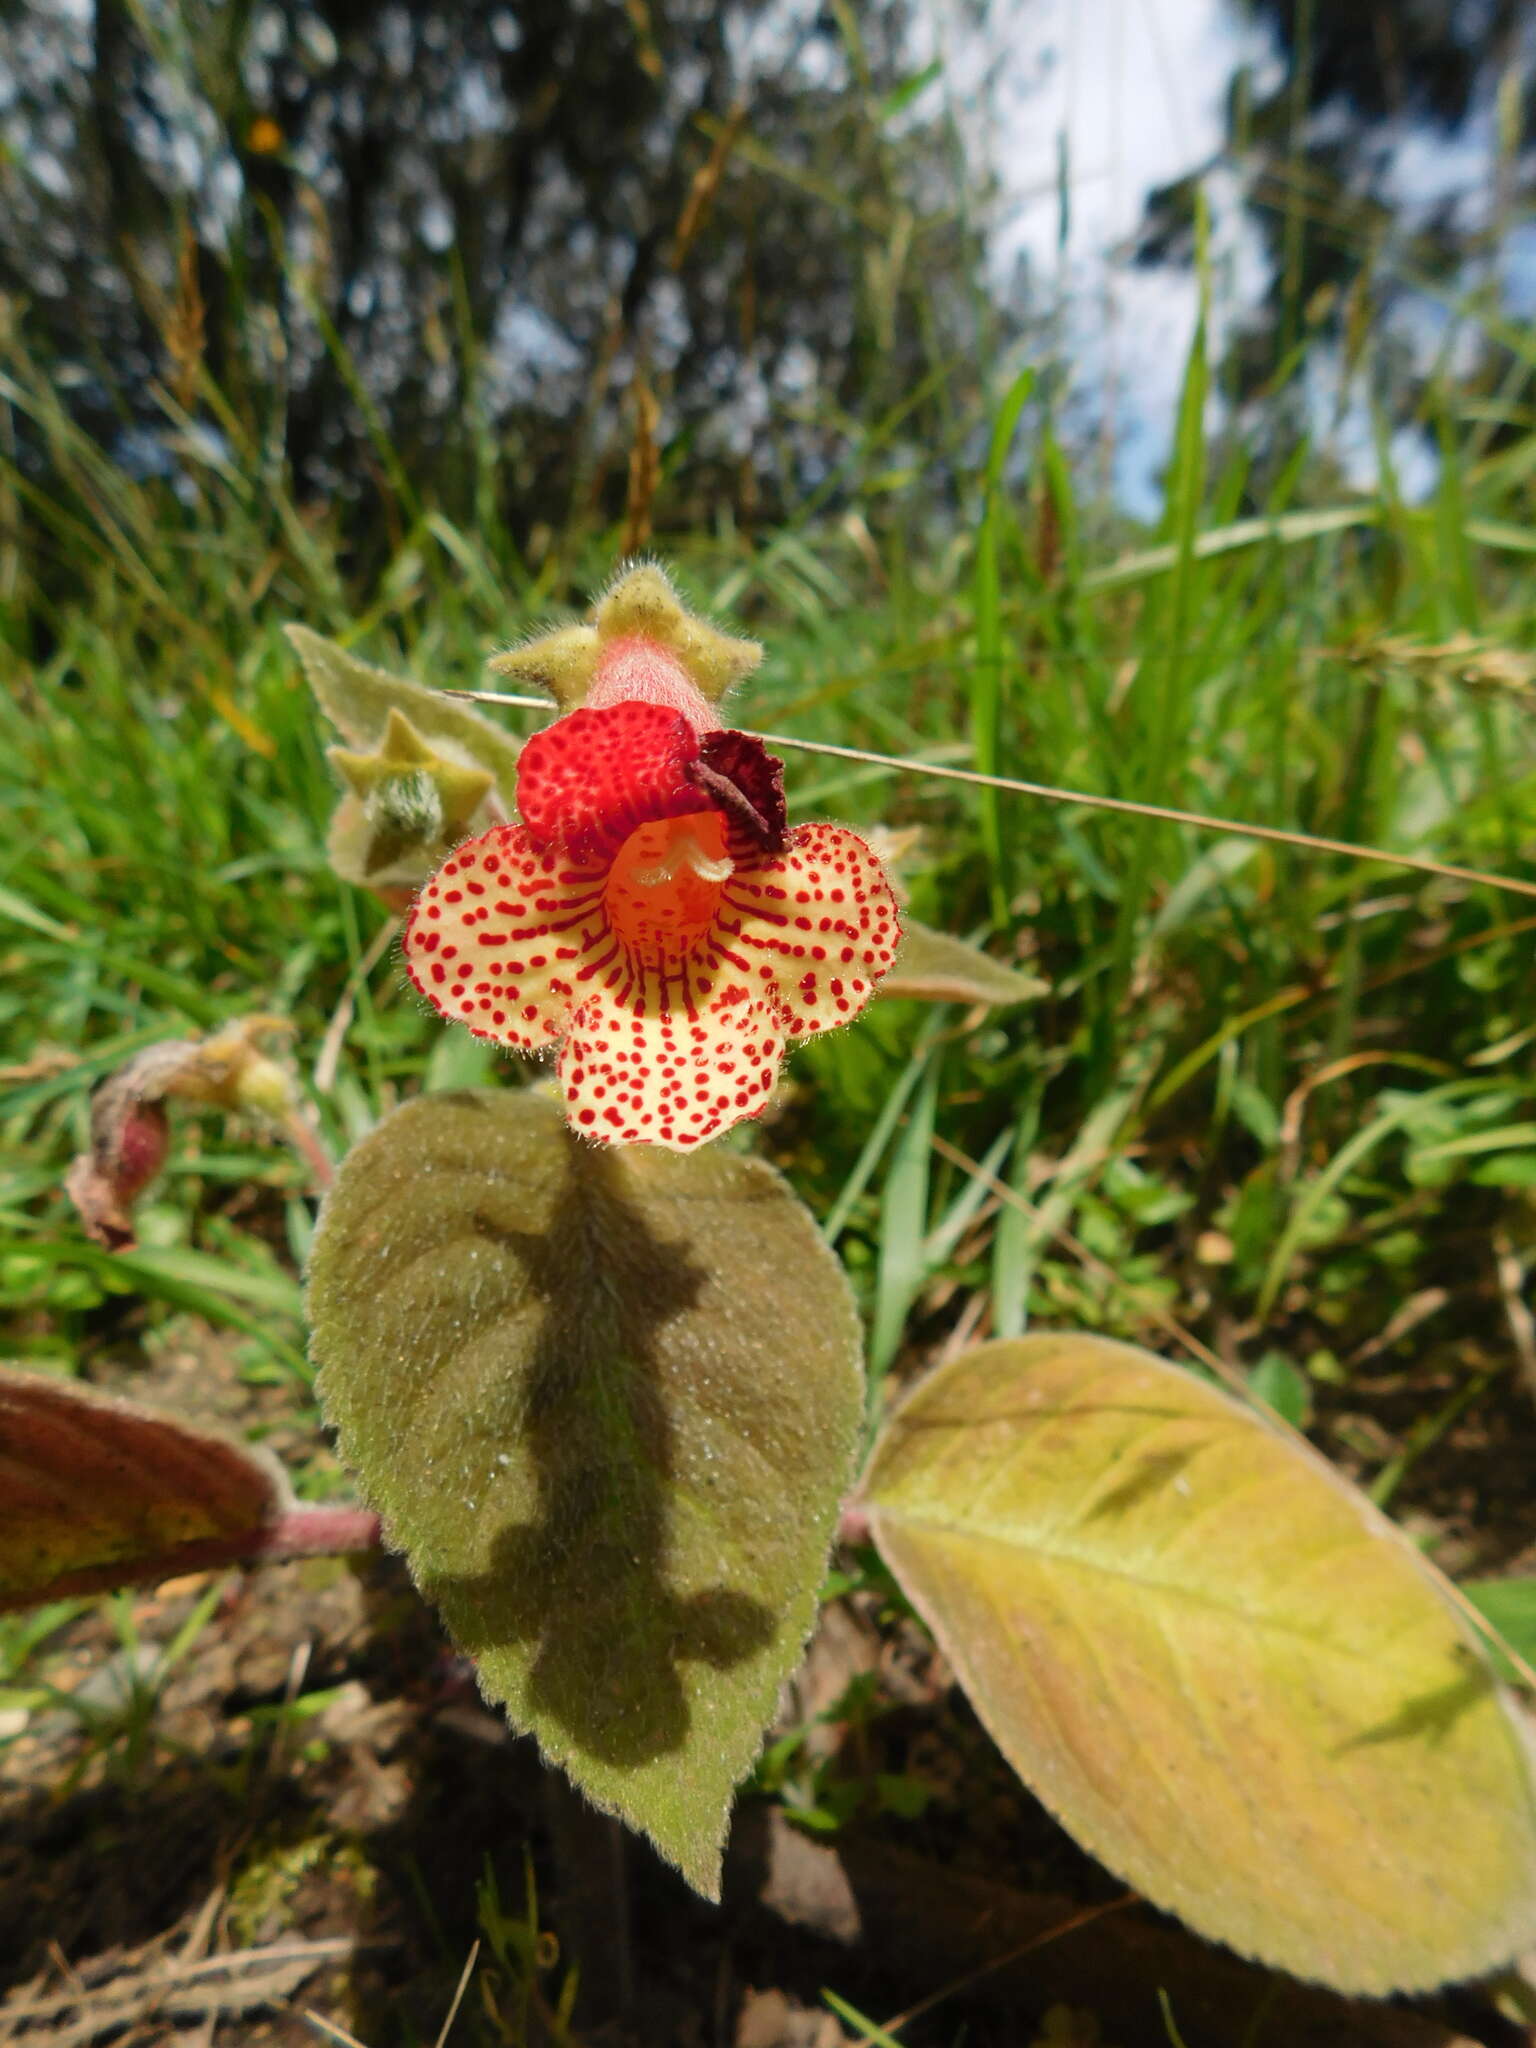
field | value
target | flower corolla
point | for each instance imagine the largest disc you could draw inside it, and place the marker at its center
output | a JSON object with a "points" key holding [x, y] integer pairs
{"points": [[652, 914]]}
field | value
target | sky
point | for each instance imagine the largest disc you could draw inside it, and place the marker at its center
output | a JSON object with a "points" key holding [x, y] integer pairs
{"points": [[1131, 95]]}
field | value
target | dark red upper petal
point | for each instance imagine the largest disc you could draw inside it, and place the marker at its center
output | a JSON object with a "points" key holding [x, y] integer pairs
{"points": [[593, 777], [746, 782]]}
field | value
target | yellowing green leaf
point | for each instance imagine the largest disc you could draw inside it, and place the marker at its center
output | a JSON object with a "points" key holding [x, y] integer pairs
{"points": [[938, 968], [1223, 1670], [97, 1492], [358, 698], [607, 1401]]}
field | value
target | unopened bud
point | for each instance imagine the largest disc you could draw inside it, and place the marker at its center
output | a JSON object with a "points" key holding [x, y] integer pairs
{"points": [[130, 1131], [262, 1085], [403, 815]]}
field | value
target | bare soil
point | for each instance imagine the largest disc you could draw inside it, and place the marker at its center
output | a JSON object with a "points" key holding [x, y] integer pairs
{"points": [[318, 1816]]}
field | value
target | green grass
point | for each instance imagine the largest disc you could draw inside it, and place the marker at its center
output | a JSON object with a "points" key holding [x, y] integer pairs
{"points": [[1271, 1094]]}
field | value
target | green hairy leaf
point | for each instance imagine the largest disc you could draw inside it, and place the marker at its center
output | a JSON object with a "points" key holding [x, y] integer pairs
{"points": [[607, 1402], [938, 968], [358, 698], [96, 1491], [1222, 1669]]}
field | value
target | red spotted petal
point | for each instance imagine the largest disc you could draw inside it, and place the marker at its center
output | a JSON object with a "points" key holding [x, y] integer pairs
{"points": [[664, 1076], [590, 779], [815, 928], [501, 935]]}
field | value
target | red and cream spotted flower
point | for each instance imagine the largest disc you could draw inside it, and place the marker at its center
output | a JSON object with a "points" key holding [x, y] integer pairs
{"points": [[651, 914]]}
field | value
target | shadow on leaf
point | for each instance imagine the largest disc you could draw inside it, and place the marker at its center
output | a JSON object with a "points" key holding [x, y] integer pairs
{"points": [[1428, 1716], [585, 1582]]}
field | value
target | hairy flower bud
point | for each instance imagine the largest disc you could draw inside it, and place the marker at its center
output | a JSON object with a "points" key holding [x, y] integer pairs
{"points": [[130, 1131]]}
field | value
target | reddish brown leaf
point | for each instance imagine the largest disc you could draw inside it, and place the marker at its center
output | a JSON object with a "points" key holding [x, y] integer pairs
{"points": [[97, 1492]]}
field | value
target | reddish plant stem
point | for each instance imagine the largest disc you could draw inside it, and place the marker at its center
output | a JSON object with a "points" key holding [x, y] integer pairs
{"points": [[305, 1141], [296, 1532]]}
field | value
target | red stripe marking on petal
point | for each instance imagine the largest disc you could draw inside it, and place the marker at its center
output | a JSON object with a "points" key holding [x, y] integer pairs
{"points": [[825, 959], [664, 889], [510, 992]]}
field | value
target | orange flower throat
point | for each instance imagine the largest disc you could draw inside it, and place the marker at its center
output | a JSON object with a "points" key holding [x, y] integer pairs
{"points": [[664, 888]]}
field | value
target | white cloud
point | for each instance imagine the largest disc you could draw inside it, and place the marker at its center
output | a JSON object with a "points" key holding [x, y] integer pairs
{"points": [[1120, 97]]}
